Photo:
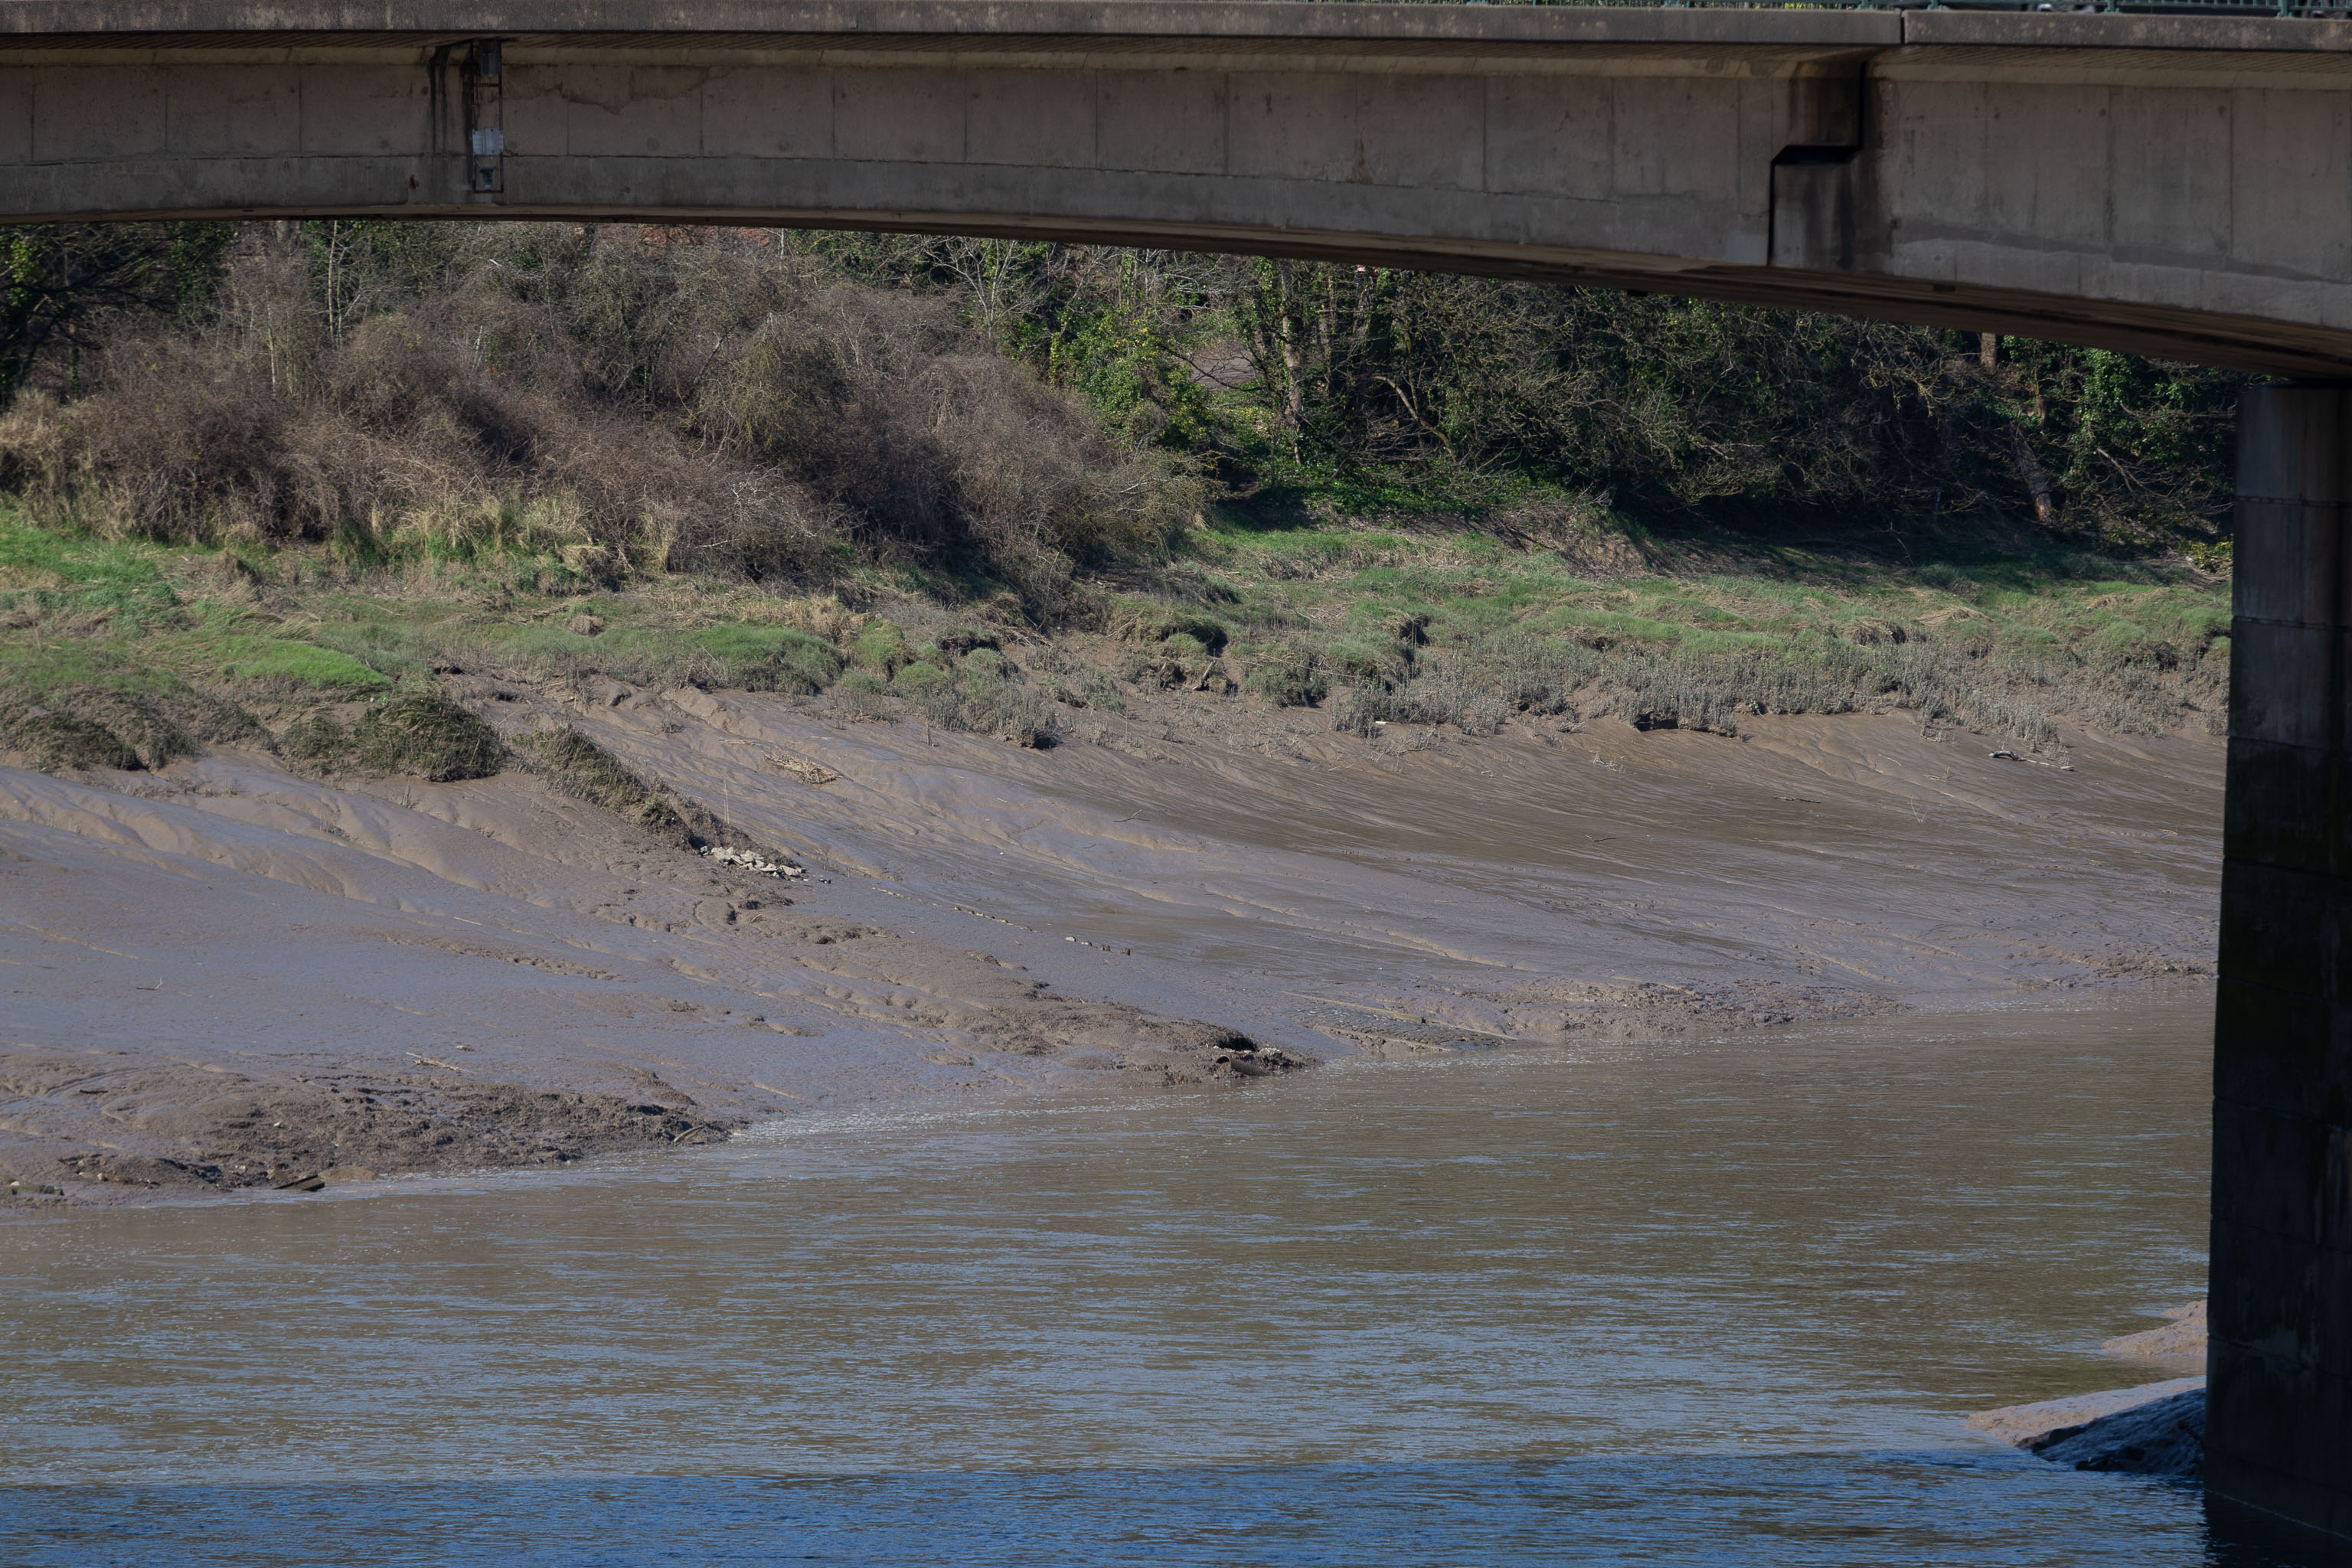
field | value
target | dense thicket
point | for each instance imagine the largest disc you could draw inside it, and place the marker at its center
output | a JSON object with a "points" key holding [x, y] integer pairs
{"points": [[780, 404], [618, 396], [1438, 390], [61, 282]]}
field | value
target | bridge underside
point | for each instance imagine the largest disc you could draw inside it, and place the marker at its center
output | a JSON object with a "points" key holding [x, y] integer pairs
{"points": [[2121, 182], [2248, 344]]}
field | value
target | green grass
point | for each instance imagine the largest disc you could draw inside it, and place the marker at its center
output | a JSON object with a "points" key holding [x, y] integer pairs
{"points": [[2010, 642], [75, 612], [116, 572], [1446, 626], [207, 639], [1469, 585]]}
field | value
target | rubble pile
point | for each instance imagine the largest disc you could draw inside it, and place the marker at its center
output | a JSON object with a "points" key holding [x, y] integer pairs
{"points": [[746, 860]]}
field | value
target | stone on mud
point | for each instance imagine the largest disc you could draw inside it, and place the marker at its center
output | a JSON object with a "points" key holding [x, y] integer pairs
{"points": [[2155, 1429]]}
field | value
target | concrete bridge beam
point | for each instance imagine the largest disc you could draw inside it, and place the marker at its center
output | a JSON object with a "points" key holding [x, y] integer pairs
{"points": [[2174, 185]]}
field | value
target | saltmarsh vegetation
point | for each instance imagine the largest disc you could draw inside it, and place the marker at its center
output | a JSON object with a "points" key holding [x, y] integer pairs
{"points": [[1476, 633], [273, 484]]}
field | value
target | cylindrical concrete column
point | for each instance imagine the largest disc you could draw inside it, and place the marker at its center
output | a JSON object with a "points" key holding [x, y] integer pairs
{"points": [[2279, 1413]]}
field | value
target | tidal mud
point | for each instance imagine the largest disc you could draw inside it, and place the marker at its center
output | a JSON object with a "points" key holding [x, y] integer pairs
{"points": [[222, 974]]}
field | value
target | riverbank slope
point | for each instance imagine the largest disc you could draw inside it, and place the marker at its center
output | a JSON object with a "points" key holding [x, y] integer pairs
{"points": [[226, 970]]}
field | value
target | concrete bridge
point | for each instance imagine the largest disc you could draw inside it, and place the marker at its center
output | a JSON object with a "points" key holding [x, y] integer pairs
{"points": [[2171, 185], [2178, 186]]}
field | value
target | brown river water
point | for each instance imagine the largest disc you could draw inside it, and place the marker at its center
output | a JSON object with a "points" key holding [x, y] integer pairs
{"points": [[1697, 1301], [1801, 1094]]}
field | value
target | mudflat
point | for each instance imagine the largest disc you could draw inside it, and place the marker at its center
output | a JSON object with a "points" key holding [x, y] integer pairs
{"points": [[222, 975]]}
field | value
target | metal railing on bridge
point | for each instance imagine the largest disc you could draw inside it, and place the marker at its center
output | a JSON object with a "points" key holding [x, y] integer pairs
{"points": [[2107, 7]]}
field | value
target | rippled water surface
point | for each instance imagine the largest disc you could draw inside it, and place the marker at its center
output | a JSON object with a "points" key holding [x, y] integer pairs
{"points": [[1684, 1303]]}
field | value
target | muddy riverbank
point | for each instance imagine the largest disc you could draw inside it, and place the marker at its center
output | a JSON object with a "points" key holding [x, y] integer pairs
{"points": [[222, 974]]}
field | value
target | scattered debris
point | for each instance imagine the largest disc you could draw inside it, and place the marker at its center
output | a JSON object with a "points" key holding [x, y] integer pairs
{"points": [[1246, 1059], [745, 859], [2037, 761], [806, 771]]}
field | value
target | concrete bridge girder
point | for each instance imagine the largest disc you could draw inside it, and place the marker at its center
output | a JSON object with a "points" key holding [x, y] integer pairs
{"points": [[2175, 187]]}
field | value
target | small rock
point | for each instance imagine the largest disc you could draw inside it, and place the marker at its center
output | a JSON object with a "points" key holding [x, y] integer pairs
{"points": [[2165, 1437]]}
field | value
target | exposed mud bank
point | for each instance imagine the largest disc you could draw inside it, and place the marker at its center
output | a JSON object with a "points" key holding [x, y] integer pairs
{"points": [[226, 1128], [220, 974]]}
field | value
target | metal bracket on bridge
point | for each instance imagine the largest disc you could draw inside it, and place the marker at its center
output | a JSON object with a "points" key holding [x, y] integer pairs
{"points": [[482, 72]]}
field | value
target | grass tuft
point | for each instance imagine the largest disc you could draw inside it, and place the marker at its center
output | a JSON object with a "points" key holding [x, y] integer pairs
{"points": [[427, 734], [58, 742], [422, 733], [586, 771]]}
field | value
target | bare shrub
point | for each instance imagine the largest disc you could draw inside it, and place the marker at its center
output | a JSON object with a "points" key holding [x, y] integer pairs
{"points": [[1360, 710], [614, 398], [1478, 686], [1291, 678], [983, 695], [1036, 484], [861, 695], [1450, 693], [1008, 710], [181, 441], [894, 415]]}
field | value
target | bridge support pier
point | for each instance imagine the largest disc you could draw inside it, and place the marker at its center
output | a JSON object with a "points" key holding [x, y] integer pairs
{"points": [[2279, 1422]]}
